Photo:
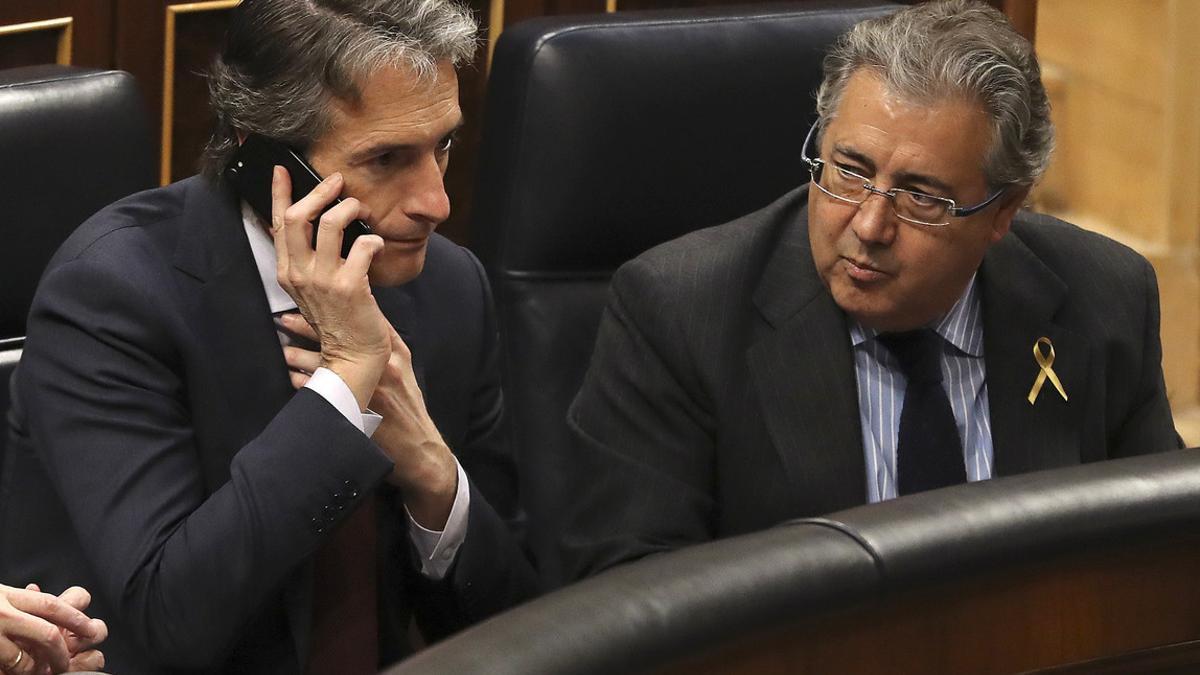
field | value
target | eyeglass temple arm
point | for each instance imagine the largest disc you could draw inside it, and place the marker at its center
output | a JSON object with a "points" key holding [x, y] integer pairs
{"points": [[962, 212], [807, 140]]}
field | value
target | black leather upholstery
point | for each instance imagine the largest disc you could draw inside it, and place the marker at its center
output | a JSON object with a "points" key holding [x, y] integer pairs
{"points": [[663, 608], [10, 354], [608, 134], [991, 523], [672, 606], [73, 140]]}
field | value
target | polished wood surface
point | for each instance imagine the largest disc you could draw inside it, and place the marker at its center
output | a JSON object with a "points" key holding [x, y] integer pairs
{"points": [[1132, 610]]}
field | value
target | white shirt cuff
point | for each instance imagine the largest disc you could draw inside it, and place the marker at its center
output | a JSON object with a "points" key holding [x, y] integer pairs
{"points": [[437, 549], [331, 387]]}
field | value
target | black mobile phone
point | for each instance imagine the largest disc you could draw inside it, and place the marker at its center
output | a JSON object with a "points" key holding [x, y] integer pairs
{"points": [[250, 174]]}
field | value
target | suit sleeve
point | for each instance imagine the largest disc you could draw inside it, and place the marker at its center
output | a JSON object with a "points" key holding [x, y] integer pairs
{"points": [[187, 565], [492, 570], [643, 443], [1148, 427]]}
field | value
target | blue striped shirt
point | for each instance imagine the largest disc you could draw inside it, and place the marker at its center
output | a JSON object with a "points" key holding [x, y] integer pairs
{"points": [[881, 394]]}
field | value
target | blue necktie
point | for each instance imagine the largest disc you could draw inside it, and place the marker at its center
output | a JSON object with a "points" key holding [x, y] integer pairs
{"points": [[929, 452]]}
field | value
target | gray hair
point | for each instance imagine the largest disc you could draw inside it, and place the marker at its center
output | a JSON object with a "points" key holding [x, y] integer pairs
{"points": [[285, 61], [955, 49]]}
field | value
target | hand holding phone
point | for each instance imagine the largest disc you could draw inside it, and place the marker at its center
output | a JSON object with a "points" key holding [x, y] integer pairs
{"points": [[250, 174], [333, 294]]}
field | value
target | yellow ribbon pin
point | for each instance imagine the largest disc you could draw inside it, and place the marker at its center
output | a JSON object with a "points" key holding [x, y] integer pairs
{"points": [[1045, 362]]}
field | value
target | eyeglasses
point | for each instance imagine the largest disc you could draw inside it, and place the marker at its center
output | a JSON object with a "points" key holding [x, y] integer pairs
{"points": [[915, 207]]}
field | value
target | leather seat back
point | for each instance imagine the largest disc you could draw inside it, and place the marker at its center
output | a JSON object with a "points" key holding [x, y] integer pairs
{"points": [[685, 610], [606, 135], [10, 354], [74, 140]]}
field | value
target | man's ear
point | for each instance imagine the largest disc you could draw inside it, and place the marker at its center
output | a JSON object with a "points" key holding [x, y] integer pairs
{"points": [[1010, 203]]}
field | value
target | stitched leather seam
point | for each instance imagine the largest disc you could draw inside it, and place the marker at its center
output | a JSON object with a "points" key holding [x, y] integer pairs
{"points": [[65, 77], [849, 532]]}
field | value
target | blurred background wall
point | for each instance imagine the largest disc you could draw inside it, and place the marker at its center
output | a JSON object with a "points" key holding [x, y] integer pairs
{"points": [[1124, 83]]}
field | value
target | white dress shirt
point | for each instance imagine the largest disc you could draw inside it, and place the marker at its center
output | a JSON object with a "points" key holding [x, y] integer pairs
{"points": [[436, 548], [881, 388]]}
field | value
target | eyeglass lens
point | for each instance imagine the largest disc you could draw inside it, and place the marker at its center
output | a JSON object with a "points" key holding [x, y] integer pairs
{"points": [[851, 187]]}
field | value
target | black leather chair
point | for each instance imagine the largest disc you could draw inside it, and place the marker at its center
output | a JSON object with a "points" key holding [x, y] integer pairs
{"points": [[10, 354], [608, 134], [72, 140], [1088, 525]]}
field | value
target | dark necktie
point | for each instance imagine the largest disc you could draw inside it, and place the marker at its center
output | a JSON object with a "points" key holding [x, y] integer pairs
{"points": [[345, 628], [345, 624], [928, 452], [287, 337]]}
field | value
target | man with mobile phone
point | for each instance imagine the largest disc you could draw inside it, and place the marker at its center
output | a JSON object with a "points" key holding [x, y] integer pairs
{"points": [[241, 507]]}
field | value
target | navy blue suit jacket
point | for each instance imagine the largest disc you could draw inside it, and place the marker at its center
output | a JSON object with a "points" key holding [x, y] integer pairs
{"points": [[160, 457]]}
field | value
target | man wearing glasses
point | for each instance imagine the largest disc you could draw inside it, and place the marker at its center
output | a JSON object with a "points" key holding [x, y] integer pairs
{"points": [[895, 326]]}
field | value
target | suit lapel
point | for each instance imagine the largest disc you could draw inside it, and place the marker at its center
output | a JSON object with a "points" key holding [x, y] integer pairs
{"points": [[803, 371], [1020, 299], [233, 315], [235, 325]]}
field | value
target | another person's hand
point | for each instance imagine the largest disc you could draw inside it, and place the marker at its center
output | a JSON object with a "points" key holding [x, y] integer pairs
{"points": [[333, 294], [41, 633], [425, 470]]}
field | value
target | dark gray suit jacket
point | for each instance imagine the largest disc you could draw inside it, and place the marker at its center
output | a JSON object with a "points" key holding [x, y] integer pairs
{"points": [[161, 458], [722, 398]]}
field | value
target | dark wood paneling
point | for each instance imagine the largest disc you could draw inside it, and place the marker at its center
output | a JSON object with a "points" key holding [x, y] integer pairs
{"points": [[1022, 14], [519, 10], [141, 47], [460, 176], [138, 48], [91, 32], [198, 37], [1114, 609], [28, 48]]}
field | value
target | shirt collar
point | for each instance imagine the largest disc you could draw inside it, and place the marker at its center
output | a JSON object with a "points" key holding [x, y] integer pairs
{"points": [[960, 326], [263, 248]]}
